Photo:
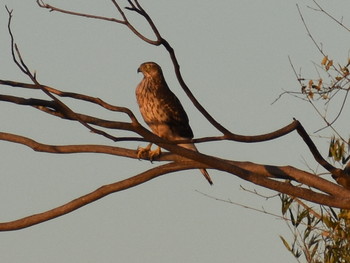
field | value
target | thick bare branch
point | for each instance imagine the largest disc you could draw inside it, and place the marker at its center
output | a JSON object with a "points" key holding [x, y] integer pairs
{"points": [[256, 170], [66, 149], [258, 174], [93, 196]]}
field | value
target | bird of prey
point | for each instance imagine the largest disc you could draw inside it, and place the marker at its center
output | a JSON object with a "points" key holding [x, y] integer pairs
{"points": [[162, 111]]}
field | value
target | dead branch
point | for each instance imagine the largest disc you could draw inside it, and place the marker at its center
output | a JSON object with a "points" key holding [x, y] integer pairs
{"points": [[258, 174], [17, 58], [321, 9], [93, 196], [245, 170], [73, 95], [124, 21]]}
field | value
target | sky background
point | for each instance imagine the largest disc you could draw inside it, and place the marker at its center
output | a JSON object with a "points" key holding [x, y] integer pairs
{"points": [[234, 58]]}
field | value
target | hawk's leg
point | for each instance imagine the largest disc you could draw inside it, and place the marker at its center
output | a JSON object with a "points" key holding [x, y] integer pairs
{"points": [[146, 152]]}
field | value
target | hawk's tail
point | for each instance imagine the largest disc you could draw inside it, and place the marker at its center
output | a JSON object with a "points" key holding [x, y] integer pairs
{"points": [[206, 175], [192, 147]]}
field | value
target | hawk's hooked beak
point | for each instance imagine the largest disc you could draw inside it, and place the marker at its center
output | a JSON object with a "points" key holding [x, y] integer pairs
{"points": [[138, 70]]}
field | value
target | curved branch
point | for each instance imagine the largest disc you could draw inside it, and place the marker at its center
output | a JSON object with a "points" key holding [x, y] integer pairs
{"points": [[64, 108], [124, 21], [318, 157], [136, 127], [293, 174], [267, 171], [92, 197], [189, 93], [330, 123], [253, 177], [144, 177], [178, 74], [66, 149], [52, 108], [72, 95], [51, 8], [259, 174]]}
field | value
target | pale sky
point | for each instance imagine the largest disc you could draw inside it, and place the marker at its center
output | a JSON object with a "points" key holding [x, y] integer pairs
{"points": [[234, 58]]}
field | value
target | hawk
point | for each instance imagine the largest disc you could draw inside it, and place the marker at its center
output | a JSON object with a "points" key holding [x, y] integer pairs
{"points": [[162, 111]]}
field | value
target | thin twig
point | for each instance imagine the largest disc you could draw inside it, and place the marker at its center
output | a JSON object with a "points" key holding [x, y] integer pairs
{"points": [[65, 109], [73, 95], [329, 15], [51, 8]]}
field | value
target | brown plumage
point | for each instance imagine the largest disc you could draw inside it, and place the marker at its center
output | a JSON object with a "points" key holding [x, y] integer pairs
{"points": [[162, 110]]}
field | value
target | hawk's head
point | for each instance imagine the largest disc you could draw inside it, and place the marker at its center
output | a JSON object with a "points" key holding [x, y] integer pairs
{"points": [[150, 69]]}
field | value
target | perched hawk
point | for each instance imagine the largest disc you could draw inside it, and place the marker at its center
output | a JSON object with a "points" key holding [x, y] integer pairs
{"points": [[162, 110]]}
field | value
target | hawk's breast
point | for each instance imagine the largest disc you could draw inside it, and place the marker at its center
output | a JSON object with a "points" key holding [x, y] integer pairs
{"points": [[162, 110], [151, 106]]}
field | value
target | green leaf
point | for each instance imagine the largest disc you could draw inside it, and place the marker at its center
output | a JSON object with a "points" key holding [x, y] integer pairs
{"points": [[292, 217], [331, 146], [326, 220], [314, 250], [286, 202], [301, 216], [285, 243]]}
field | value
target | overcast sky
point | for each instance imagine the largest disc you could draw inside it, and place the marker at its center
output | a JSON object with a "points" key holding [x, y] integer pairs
{"points": [[234, 58]]}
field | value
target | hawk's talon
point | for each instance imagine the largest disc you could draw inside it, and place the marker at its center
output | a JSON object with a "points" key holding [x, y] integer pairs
{"points": [[154, 153], [144, 153]]}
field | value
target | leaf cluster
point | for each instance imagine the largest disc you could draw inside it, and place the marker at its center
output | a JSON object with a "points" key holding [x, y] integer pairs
{"points": [[339, 150], [336, 78], [321, 235]]}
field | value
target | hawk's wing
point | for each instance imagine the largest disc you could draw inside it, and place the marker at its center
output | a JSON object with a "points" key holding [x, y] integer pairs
{"points": [[176, 117]]}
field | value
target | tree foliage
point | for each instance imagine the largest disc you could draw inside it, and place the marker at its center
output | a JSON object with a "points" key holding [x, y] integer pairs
{"points": [[321, 233], [321, 236]]}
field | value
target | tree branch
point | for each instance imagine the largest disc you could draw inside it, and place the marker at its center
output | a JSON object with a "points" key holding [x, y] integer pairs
{"points": [[23, 67], [321, 9], [73, 95], [92, 197], [241, 169], [339, 200]]}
